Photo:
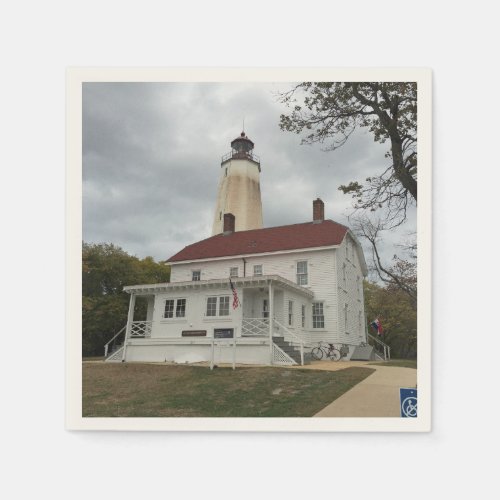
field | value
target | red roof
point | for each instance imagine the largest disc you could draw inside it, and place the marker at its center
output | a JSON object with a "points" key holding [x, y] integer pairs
{"points": [[272, 239]]}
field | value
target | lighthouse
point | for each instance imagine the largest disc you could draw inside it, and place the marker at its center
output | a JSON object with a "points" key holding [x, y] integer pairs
{"points": [[239, 187]]}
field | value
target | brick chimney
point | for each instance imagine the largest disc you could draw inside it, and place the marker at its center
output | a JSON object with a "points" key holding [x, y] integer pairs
{"points": [[318, 210], [229, 223]]}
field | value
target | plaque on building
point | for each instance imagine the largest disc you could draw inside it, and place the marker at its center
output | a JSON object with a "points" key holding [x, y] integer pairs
{"points": [[223, 333], [194, 333]]}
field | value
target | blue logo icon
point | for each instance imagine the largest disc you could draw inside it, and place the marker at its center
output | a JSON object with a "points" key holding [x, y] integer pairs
{"points": [[408, 399]]}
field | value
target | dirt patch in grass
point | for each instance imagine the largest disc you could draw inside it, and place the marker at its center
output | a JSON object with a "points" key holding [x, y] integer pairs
{"points": [[141, 390], [403, 363]]}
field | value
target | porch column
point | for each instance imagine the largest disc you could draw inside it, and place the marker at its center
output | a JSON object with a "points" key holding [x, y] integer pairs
{"points": [[271, 321], [130, 318]]}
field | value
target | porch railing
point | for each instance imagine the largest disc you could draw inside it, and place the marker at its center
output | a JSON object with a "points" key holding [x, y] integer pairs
{"points": [[380, 347], [255, 327], [140, 329]]}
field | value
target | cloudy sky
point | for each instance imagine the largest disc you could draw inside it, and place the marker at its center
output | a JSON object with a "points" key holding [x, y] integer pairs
{"points": [[151, 163]]}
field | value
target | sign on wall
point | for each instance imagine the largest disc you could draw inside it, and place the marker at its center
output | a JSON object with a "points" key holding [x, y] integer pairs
{"points": [[223, 333], [194, 333]]}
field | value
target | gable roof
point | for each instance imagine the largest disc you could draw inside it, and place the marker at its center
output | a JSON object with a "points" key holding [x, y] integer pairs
{"points": [[271, 239]]}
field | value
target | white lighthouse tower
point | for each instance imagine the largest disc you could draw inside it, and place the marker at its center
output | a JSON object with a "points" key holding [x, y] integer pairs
{"points": [[239, 187]]}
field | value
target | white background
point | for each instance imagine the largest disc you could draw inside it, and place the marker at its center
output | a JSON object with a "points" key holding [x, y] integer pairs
{"points": [[40, 39]]}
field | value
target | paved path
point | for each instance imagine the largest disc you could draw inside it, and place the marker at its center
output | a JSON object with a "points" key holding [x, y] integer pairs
{"points": [[375, 396]]}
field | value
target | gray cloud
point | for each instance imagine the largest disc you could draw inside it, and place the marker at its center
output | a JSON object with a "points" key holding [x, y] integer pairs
{"points": [[151, 163]]}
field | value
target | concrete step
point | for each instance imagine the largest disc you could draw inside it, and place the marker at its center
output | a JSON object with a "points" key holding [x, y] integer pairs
{"points": [[363, 353]]}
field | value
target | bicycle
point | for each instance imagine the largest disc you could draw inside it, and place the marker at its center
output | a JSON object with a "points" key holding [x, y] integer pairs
{"points": [[326, 349]]}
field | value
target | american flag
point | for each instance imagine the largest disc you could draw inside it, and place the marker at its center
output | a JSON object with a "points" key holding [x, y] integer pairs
{"points": [[377, 325], [236, 300]]}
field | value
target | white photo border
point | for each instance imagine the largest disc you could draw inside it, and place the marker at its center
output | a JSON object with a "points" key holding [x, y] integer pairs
{"points": [[75, 77]]}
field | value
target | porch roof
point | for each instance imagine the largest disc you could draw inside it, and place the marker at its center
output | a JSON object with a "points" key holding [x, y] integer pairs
{"points": [[247, 282]]}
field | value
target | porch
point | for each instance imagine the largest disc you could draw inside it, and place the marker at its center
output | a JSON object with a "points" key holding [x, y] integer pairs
{"points": [[253, 324]]}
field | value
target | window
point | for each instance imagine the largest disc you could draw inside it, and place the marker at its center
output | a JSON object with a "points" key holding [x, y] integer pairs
{"points": [[177, 305], [345, 318], [223, 306], [358, 281], [211, 306], [226, 172], [257, 270], [303, 316], [344, 275], [220, 215], [169, 309], [290, 312], [317, 315], [196, 276], [233, 272], [346, 248], [180, 310], [360, 324], [302, 272]]}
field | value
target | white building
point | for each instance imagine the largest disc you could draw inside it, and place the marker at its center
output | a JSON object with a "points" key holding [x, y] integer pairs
{"points": [[296, 285]]}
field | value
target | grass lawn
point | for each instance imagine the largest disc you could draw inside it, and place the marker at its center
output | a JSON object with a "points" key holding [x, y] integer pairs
{"points": [[142, 390], [404, 363]]}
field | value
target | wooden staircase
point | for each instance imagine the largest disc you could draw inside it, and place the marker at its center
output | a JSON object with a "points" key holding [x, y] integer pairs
{"points": [[292, 351], [115, 356], [113, 350]]}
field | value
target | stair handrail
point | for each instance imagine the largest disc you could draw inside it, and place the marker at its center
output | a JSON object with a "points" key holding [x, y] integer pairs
{"points": [[386, 347], [298, 340], [111, 340]]}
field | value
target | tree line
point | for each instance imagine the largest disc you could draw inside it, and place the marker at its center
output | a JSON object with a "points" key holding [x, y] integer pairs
{"points": [[398, 316], [106, 269]]}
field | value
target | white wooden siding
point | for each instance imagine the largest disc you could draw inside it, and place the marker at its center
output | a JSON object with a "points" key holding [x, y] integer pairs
{"points": [[325, 279], [195, 318], [322, 280], [348, 293]]}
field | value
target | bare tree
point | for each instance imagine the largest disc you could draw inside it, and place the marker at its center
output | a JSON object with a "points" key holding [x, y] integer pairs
{"points": [[402, 274], [331, 111]]}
